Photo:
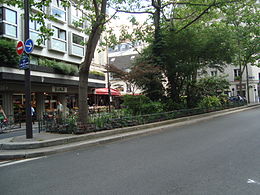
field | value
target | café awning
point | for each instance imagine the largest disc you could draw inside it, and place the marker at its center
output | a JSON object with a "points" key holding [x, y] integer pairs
{"points": [[104, 91]]}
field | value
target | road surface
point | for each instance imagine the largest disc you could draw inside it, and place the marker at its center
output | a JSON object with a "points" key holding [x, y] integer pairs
{"points": [[218, 156]]}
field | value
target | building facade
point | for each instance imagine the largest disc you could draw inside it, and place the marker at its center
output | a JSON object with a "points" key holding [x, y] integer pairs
{"points": [[232, 74], [123, 57], [65, 47]]}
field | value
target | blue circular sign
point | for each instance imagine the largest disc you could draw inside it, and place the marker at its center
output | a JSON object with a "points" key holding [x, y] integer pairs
{"points": [[28, 46]]}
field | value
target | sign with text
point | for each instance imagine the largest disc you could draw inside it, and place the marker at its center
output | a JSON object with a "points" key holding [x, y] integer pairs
{"points": [[59, 89], [24, 62]]}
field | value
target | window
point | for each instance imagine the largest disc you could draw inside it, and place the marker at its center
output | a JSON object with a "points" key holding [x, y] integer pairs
{"points": [[37, 5], [76, 16], [35, 31], [213, 73], [59, 40], [77, 46], [59, 33], [8, 22], [236, 74], [58, 10], [34, 60], [128, 87]]}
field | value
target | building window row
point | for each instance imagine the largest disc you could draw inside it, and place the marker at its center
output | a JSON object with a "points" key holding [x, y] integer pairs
{"points": [[8, 22], [58, 42]]}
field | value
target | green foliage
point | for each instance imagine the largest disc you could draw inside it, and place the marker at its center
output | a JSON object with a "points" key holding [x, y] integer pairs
{"points": [[141, 104], [134, 103], [96, 73], [60, 67], [209, 102], [8, 54], [170, 105]]}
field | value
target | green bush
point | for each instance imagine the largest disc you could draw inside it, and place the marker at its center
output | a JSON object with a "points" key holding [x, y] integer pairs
{"points": [[170, 105], [96, 73], [8, 54], [60, 67], [209, 102], [152, 107], [134, 103], [141, 104]]}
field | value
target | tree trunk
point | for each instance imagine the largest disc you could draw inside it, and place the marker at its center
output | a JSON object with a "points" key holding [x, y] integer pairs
{"points": [[94, 37]]}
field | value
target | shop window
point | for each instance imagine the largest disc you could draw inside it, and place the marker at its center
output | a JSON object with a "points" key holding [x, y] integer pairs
{"points": [[8, 22]]}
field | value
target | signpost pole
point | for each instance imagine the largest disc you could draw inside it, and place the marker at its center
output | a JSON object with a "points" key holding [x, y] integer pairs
{"points": [[29, 133]]}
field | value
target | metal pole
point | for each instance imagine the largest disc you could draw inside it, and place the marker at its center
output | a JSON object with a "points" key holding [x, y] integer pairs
{"points": [[109, 92], [29, 133]]}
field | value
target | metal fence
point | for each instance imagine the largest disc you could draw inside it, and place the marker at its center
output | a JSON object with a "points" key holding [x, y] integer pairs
{"points": [[118, 119]]}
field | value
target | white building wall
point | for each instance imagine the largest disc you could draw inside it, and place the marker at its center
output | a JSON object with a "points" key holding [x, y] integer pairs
{"points": [[253, 75]]}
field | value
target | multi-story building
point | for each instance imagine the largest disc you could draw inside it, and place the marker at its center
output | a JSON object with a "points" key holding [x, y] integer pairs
{"points": [[232, 73], [122, 57], [66, 45]]}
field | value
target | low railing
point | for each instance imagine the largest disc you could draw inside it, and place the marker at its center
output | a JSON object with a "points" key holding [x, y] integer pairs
{"points": [[106, 121]]}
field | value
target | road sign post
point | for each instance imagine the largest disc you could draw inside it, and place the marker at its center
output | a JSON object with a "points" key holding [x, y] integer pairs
{"points": [[29, 132]]}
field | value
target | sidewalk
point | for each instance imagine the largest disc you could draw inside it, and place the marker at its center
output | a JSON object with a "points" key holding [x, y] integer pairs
{"points": [[43, 143]]}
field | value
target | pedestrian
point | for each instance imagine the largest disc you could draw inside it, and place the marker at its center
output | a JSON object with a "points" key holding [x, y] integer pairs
{"points": [[59, 109], [2, 115], [33, 114]]}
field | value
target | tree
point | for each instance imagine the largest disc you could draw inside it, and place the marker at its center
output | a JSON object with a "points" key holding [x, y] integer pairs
{"points": [[173, 17], [243, 21]]}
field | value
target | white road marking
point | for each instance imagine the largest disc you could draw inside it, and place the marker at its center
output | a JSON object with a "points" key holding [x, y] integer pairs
{"points": [[3, 162], [17, 162], [252, 181]]}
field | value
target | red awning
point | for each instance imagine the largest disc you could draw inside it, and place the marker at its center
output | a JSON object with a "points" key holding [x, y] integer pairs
{"points": [[104, 91]]}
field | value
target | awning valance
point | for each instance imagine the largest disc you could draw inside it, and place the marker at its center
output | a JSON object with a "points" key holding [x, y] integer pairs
{"points": [[104, 91]]}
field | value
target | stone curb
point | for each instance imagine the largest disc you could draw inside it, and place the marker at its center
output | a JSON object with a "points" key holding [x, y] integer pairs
{"points": [[36, 149]]}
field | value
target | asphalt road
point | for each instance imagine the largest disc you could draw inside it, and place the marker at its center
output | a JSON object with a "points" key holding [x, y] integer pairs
{"points": [[218, 156]]}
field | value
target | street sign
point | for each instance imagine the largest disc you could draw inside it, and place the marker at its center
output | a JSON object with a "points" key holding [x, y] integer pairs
{"points": [[29, 45], [24, 62], [20, 48]]}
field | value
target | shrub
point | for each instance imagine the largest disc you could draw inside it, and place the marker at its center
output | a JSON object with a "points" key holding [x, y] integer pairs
{"points": [[8, 54], [134, 103], [96, 73], [60, 67], [152, 107], [170, 105], [141, 105], [209, 102]]}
